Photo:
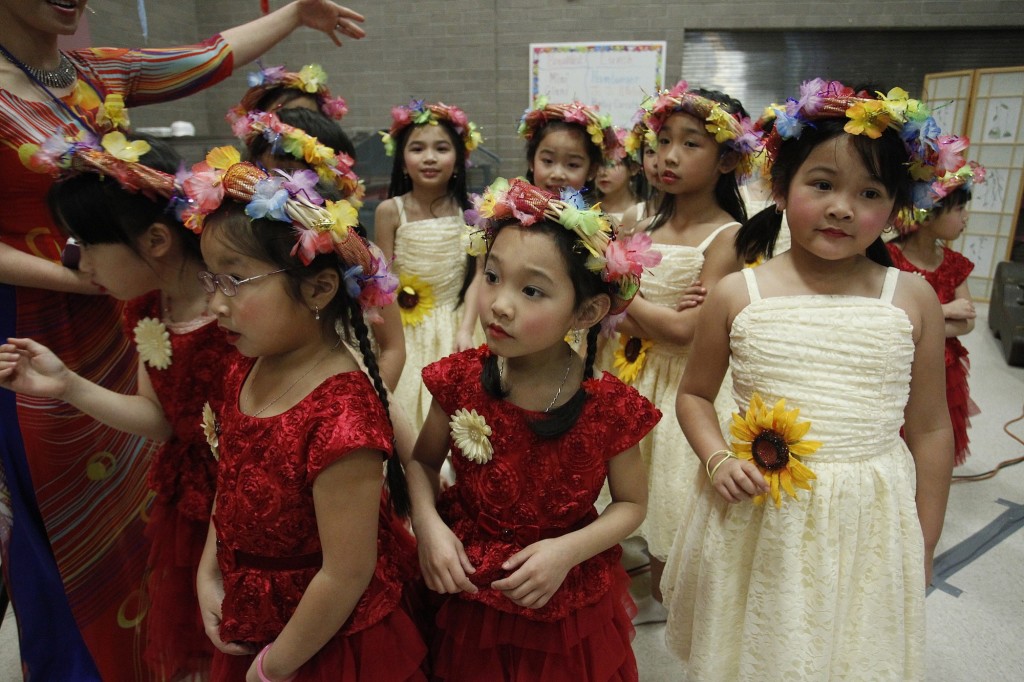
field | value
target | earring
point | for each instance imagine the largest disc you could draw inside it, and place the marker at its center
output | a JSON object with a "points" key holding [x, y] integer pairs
{"points": [[889, 229], [316, 312], [576, 337]]}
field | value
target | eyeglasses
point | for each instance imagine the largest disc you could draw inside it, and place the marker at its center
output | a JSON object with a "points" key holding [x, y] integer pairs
{"points": [[229, 284]]}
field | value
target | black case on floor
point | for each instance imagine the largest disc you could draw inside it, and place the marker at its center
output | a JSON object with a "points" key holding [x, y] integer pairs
{"points": [[1006, 310]]}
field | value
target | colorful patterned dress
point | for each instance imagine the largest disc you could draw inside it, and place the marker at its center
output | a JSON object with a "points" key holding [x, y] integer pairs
{"points": [[73, 492], [534, 488], [182, 476], [268, 546], [951, 273], [430, 258], [830, 585]]}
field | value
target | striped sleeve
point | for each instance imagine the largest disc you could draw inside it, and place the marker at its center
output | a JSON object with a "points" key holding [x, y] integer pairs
{"points": [[149, 76]]}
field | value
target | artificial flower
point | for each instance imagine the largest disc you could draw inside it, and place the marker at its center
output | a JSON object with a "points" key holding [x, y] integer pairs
{"points": [[112, 113], [471, 435], [415, 299], [630, 255], [211, 429], [772, 439], [630, 357], [949, 153], [302, 183], [312, 77], [474, 241], [153, 342], [268, 200], [867, 118], [118, 146]]}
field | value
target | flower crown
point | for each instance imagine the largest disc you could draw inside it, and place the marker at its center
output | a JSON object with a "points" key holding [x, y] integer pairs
{"points": [[418, 112], [320, 226], [928, 196], [636, 135], [733, 130], [619, 262], [310, 79], [599, 127], [112, 156], [333, 168], [932, 154]]}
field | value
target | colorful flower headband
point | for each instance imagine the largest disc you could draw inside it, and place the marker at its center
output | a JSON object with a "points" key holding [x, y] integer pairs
{"points": [[733, 130], [636, 135], [320, 226], [112, 156], [599, 127], [310, 79], [933, 156], [333, 168], [619, 262], [418, 112], [928, 196]]}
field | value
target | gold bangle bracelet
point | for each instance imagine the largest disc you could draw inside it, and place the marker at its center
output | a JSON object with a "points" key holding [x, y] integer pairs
{"points": [[726, 454]]}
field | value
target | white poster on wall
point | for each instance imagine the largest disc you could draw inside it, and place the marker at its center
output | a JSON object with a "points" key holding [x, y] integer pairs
{"points": [[615, 76]]}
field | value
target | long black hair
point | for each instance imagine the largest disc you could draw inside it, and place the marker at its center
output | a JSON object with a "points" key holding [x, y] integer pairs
{"points": [[727, 189], [585, 284], [402, 184], [272, 241], [885, 158]]}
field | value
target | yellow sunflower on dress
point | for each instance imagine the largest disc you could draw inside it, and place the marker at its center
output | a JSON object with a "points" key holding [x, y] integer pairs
{"points": [[772, 439], [415, 299], [630, 357]]}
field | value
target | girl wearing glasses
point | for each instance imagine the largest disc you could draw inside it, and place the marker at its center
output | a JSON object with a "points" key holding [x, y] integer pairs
{"points": [[135, 248]]}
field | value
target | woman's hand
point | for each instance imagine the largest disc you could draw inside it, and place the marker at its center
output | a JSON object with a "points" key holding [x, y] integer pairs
{"points": [[538, 571], [331, 18]]}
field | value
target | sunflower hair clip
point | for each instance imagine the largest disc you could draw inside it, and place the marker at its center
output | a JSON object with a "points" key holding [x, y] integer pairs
{"points": [[311, 79], [598, 126], [619, 262], [420, 112], [334, 168], [320, 226]]}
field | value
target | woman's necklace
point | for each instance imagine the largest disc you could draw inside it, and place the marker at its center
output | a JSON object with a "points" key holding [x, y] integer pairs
{"points": [[61, 77], [295, 383], [501, 378]]}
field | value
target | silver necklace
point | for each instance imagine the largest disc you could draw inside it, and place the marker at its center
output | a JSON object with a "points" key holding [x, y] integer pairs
{"points": [[59, 78], [501, 378], [293, 384]]}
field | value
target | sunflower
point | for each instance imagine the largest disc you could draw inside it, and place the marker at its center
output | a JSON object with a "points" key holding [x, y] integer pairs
{"points": [[154, 343], [771, 438], [211, 429], [472, 436], [630, 357], [415, 299]]}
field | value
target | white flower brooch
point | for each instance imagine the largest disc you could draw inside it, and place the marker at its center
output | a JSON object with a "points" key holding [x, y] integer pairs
{"points": [[471, 434], [154, 343]]}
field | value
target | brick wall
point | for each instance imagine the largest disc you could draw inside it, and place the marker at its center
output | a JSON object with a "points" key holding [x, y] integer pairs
{"points": [[473, 53]]}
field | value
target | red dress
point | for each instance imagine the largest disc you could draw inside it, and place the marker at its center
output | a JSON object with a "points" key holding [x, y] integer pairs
{"points": [[182, 476], [951, 273], [268, 545], [534, 488]]}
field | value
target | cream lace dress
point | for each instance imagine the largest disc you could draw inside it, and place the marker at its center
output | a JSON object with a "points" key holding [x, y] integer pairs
{"points": [[430, 250], [670, 460], [831, 585]]}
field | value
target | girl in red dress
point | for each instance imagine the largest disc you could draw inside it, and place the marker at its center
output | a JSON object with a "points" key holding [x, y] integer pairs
{"points": [[136, 249], [536, 589], [940, 217], [303, 571]]}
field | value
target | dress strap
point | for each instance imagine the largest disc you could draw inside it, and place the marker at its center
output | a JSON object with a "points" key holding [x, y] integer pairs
{"points": [[889, 287], [402, 220], [711, 237], [752, 291], [641, 208]]}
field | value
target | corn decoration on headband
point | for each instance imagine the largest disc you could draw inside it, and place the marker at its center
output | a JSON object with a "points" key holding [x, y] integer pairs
{"points": [[419, 112], [598, 126], [112, 156], [310, 80], [736, 132], [619, 262], [320, 226], [333, 168]]}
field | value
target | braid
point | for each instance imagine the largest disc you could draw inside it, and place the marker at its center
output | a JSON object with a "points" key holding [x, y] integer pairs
{"points": [[588, 362], [397, 488]]}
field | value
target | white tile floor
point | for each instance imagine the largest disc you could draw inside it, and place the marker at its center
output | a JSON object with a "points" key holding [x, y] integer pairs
{"points": [[974, 636]]}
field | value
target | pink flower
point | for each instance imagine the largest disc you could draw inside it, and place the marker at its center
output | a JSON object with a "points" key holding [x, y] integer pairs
{"points": [[458, 118], [576, 114], [949, 158], [240, 127], [334, 107], [400, 117], [630, 255], [310, 242], [204, 187], [811, 93]]}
